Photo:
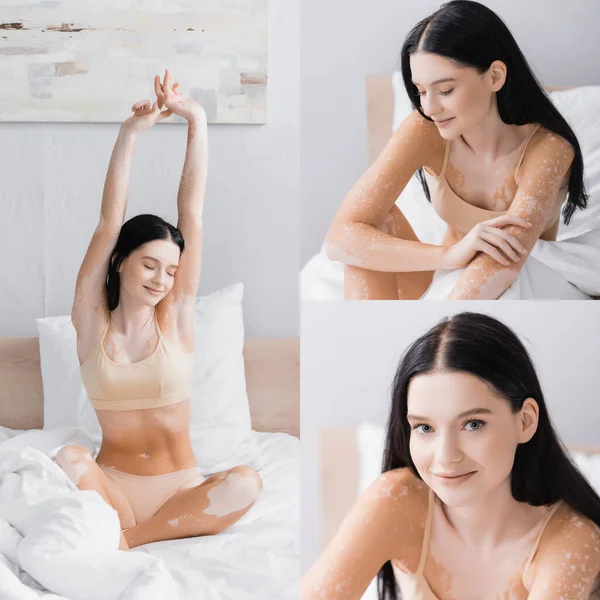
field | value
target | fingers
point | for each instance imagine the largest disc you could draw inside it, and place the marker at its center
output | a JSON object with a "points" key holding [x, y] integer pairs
{"points": [[496, 240], [176, 88], [507, 220], [158, 90], [512, 240], [164, 114], [167, 80], [491, 251]]}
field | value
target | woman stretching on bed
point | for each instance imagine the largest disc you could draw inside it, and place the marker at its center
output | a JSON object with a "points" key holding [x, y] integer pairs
{"points": [[134, 315], [493, 154], [477, 500]]}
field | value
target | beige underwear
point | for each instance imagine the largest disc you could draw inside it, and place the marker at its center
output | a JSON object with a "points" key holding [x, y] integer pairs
{"points": [[148, 493]]}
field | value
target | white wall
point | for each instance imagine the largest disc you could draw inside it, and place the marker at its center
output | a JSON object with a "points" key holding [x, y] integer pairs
{"points": [[350, 352], [51, 179], [344, 40]]}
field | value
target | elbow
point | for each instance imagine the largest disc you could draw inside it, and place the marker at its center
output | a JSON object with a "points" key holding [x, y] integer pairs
{"points": [[335, 248]]}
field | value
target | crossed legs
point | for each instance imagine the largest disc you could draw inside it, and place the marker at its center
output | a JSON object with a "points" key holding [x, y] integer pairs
{"points": [[362, 284], [205, 509]]}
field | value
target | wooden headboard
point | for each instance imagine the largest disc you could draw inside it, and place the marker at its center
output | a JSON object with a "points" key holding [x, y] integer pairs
{"points": [[380, 111], [340, 475], [272, 383]]}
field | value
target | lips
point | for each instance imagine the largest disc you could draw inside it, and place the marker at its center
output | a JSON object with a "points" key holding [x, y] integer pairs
{"points": [[443, 121], [153, 291], [453, 475], [454, 479]]}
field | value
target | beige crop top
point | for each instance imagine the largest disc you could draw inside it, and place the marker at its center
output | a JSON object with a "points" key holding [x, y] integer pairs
{"points": [[462, 215], [163, 378], [414, 586]]}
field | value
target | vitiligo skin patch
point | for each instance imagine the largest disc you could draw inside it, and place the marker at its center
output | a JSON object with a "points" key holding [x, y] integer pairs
{"points": [[388, 523], [378, 246]]}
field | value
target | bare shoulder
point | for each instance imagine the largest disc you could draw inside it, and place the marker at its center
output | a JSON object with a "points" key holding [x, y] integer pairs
{"points": [[568, 556], [400, 499], [546, 148], [423, 140]]}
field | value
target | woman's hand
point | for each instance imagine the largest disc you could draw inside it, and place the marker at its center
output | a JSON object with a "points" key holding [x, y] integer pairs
{"points": [[145, 115], [175, 101], [489, 238]]}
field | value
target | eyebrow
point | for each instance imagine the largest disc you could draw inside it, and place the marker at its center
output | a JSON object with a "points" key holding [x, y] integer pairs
{"points": [[467, 413], [444, 80], [156, 260]]}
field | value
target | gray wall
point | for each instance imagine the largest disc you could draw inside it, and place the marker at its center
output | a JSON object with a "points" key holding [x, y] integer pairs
{"points": [[344, 40], [350, 352], [51, 179]]}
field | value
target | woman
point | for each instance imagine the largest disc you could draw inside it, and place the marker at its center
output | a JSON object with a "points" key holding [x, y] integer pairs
{"points": [[134, 315], [495, 158], [477, 499]]}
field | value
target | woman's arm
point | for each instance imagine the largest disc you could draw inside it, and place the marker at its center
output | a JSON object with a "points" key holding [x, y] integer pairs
{"points": [[91, 280], [376, 530], [542, 172], [354, 237], [190, 198]]}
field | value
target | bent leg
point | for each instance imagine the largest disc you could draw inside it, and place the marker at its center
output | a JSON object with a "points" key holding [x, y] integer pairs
{"points": [[362, 284], [82, 470], [206, 509]]}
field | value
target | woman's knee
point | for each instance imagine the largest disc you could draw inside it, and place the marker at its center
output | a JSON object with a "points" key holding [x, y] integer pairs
{"points": [[237, 490], [75, 461]]}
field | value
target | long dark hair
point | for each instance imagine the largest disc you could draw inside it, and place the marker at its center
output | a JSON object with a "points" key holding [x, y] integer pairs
{"points": [[472, 35], [134, 233], [481, 345]]}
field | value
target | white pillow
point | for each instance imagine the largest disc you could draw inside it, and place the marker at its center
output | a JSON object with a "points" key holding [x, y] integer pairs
{"points": [[220, 415]]}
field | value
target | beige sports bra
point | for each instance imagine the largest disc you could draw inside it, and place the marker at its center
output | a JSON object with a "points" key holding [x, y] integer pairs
{"points": [[163, 378], [414, 586], [462, 215]]}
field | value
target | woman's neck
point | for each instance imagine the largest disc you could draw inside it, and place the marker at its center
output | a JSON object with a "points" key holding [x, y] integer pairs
{"points": [[131, 316], [492, 137], [494, 518]]}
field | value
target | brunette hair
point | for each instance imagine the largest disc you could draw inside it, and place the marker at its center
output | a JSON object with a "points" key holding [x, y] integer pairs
{"points": [[472, 35], [134, 233]]}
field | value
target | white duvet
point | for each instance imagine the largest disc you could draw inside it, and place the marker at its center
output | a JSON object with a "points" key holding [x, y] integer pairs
{"points": [[57, 542]]}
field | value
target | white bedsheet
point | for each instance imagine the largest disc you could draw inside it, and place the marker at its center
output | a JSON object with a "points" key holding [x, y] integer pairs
{"points": [[57, 542]]}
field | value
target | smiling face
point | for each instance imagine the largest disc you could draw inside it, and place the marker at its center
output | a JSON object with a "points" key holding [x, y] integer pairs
{"points": [[150, 267], [463, 436], [460, 95]]}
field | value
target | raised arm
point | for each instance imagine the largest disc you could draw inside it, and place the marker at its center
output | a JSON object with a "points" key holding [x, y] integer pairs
{"points": [[90, 300], [542, 172], [354, 237], [377, 529], [190, 199]]}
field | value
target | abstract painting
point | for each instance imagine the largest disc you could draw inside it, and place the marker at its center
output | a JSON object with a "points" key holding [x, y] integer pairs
{"points": [[90, 61]]}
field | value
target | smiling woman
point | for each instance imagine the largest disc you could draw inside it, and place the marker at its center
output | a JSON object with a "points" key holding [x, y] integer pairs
{"points": [[134, 316], [477, 499], [495, 157]]}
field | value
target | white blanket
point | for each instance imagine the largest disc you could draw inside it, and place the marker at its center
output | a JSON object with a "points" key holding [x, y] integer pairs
{"points": [[61, 543]]}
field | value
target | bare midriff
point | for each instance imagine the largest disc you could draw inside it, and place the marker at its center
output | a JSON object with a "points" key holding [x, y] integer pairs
{"points": [[149, 441]]}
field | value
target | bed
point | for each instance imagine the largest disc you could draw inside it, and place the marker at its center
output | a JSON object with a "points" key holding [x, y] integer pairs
{"points": [[568, 268], [350, 460], [43, 518]]}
